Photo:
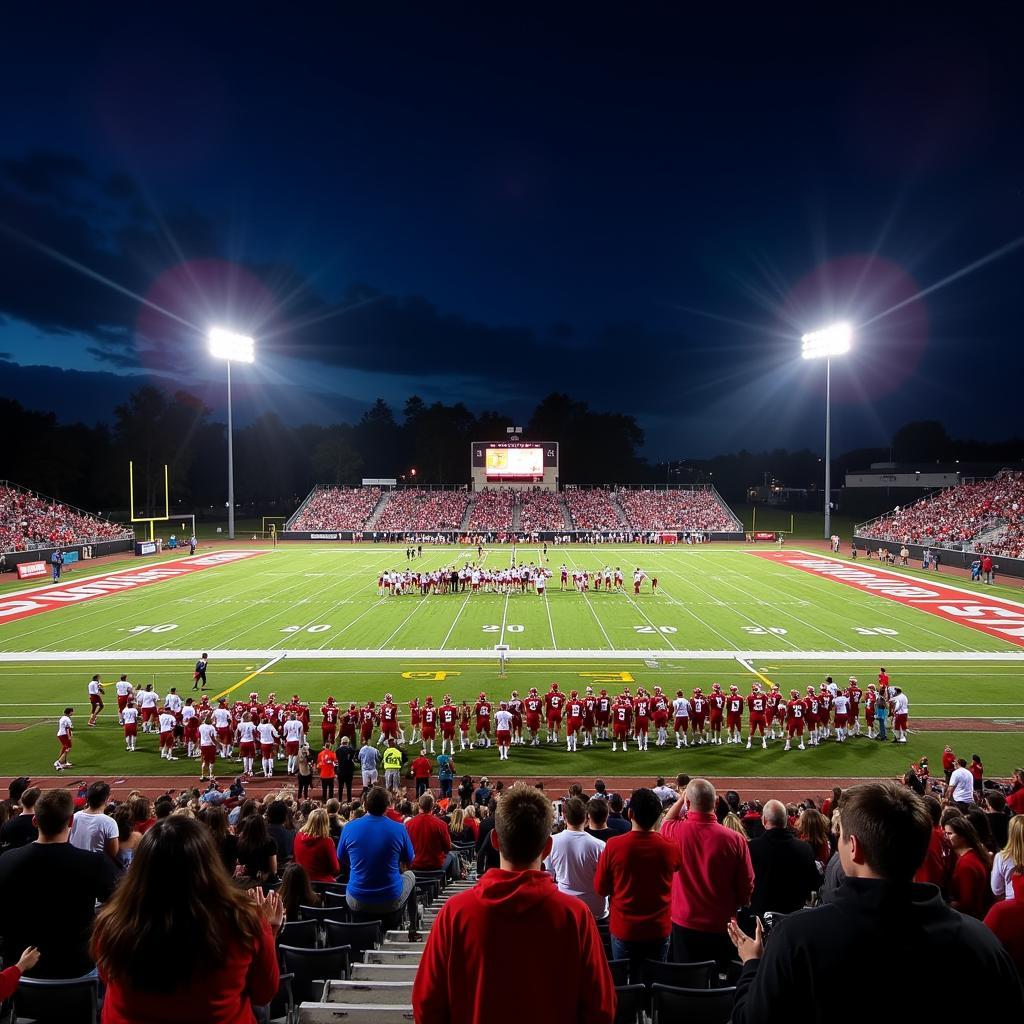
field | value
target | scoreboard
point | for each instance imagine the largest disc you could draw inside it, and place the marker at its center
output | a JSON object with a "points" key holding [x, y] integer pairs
{"points": [[526, 463]]}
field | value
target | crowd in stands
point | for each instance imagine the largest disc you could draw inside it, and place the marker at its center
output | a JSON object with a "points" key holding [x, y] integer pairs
{"points": [[677, 874], [540, 510], [29, 521], [492, 511], [414, 510], [959, 515], [592, 510], [337, 508], [675, 510]]}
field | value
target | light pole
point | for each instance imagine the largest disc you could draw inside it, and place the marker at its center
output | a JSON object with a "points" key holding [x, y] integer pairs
{"points": [[830, 341], [232, 348]]}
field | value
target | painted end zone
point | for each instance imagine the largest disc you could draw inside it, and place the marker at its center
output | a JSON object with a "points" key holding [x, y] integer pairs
{"points": [[46, 599], [993, 615]]}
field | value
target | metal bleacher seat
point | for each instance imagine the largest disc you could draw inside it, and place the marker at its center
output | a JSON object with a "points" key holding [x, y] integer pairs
{"points": [[300, 933], [313, 968], [53, 1000], [361, 935]]}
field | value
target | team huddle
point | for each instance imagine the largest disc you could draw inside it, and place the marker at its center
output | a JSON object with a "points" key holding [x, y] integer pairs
{"points": [[516, 579]]}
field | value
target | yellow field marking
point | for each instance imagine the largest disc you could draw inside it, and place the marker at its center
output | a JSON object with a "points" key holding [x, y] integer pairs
{"points": [[608, 677], [437, 676], [750, 668], [251, 675]]}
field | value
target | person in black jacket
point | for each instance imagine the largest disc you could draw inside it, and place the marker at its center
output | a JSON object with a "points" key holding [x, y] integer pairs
{"points": [[346, 768], [884, 834], [784, 870], [486, 855]]}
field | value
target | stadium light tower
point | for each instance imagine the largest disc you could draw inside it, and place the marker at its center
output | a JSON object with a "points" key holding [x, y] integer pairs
{"points": [[232, 348], [830, 341]]}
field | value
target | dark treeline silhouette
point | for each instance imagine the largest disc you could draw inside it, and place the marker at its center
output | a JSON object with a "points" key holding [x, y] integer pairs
{"points": [[277, 464]]}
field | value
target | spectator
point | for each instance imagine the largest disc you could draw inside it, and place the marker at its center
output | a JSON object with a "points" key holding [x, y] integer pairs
{"points": [[572, 859], [10, 977], [884, 833], [466, 791], [257, 851], [220, 940], [93, 830], [459, 831], [446, 774], [938, 861], [483, 792], [379, 853], [663, 792], [785, 873], [716, 877], [486, 852], [336, 508], [279, 828], [431, 840], [327, 766], [597, 819], [616, 820], [969, 890], [1006, 921], [1015, 798], [977, 770], [48, 893], [314, 849], [304, 771], [813, 830], [295, 891], [636, 872], [1009, 861], [392, 761], [21, 830], [421, 773], [998, 820], [513, 908], [216, 820], [960, 790], [127, 838], [346, 768]]}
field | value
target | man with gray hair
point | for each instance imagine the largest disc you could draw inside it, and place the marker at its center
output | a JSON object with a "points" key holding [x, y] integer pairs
{"points": [[715, 879], [785, 872]]}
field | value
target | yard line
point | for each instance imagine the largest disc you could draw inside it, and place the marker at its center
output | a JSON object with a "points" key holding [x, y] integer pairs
{"points": [[401, 625], [707, 625], [458, 615], [593, 610], [251, 675], [650, 621], [551, 625], [504, 613]]}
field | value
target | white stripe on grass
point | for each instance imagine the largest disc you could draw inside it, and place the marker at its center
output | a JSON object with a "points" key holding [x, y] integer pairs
{"points": [[593, 611]]}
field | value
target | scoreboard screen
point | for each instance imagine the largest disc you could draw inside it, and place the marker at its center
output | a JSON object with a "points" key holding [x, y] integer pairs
{"points": [[514, 463], [514, 460]]}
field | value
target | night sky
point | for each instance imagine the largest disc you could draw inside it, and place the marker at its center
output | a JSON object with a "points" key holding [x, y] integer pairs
{"points": [[626, 203]]}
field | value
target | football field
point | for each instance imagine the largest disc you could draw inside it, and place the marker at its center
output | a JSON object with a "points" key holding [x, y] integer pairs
{"points": [[310, 620]]}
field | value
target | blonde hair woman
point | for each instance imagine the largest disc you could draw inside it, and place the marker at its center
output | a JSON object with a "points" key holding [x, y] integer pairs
{"points": [[315, 850], [732, 821], [1009, 860]]}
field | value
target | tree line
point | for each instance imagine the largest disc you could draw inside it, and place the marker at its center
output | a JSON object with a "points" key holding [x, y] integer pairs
{"points": [[276, 464]]}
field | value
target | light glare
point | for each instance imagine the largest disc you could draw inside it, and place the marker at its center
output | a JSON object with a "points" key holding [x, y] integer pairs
{"points": [[238, 348], [833, 340]]}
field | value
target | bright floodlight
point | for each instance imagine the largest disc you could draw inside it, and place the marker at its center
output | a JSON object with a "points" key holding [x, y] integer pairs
{"points": [[830, 341], [237, 348]]}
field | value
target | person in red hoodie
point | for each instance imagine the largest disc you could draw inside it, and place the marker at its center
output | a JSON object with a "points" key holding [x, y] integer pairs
{"points": [[206, 954], [9, 978], [716, 877], [314, 848], [1006, 921], [636, 870], [477, 934]]}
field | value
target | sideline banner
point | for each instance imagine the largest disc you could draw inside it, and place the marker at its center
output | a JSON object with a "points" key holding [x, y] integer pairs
{"points": [[31, 570]]}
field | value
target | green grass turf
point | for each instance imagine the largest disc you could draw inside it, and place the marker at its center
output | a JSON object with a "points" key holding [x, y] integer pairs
{"points": [[303, 601]]}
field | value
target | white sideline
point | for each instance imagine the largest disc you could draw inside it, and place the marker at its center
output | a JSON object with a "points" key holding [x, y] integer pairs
{"points": [[545, 654]]}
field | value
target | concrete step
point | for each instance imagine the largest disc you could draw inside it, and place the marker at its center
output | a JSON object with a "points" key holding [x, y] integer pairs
{"points": [[354, 1013], [383, 972], [404, 945], [392, 956], [387, 993], [403, 935]]}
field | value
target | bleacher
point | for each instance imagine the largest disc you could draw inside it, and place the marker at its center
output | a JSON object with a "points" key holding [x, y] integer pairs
{"points": [[415, 510], [984, 515], [335, 508], [492, 511], [702, 510], [592, 510], [29, 520]]}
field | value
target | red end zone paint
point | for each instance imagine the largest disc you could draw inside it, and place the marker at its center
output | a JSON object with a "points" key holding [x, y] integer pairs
{"points": [[47, 598], [992, 615]]}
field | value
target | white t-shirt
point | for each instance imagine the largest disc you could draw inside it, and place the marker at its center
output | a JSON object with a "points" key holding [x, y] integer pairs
{"points": [[123, 687], [572, 863], [90, 832], [166, 722], [267, 732], [841, 704], [900, 704], [130, 716], [681, 707], [173, 702], [1002, 876], [503, 721], [64, 726], [188, 712], [962, 782], [148, 699], [246, 732], [293, 731], [221, 718], [207, 735]]}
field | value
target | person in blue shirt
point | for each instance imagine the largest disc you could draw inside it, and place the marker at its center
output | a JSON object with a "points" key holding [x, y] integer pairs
{"points": [[57, 560], [379, 852]]}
